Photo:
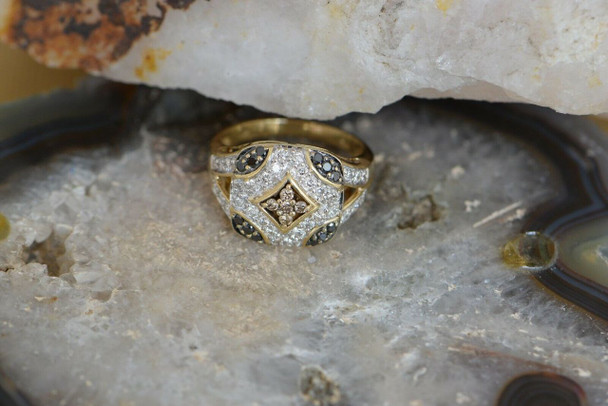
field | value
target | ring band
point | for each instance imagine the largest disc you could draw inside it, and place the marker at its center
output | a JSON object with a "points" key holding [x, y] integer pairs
{"points": [[289, 182]]}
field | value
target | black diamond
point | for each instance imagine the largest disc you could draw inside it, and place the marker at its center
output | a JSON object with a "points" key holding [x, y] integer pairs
{"points": [[240, 165], [256, 237], [326, 165], [322, 236], [317, 158], [248, 228], [251, 161], [331, 227], [237, 219]]}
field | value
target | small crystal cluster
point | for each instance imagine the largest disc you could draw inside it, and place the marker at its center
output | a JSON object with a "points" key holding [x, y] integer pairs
{"points": [[244, 228], [222, 164], [288, 207], [324, 234], [224, 203], [327, 166], [355, 176], [250, 159], [350, 210]]}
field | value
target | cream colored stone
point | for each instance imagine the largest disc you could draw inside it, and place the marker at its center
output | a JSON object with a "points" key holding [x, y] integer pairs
{"points": [[320, 59]]}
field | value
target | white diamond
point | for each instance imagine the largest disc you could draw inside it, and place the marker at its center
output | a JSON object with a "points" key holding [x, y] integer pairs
{"points": [[281, 161]]}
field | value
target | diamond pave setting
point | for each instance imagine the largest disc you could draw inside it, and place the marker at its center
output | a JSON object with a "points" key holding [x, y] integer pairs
{"points": [[306, 201], [287, 204]]}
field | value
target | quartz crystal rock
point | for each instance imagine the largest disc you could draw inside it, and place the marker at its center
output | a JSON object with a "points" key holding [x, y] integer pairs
{"points": [[154, 300], [321, 59]]}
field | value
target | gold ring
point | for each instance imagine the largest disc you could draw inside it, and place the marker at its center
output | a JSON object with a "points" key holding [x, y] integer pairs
{"points": [[289, 182]]}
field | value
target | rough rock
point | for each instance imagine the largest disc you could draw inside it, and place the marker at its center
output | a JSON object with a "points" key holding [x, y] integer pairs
{"points": [[321, 59], [123, 283]]}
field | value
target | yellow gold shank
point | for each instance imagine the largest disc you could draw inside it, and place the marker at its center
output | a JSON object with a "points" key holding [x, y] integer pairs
{"points": [[297, 132]]}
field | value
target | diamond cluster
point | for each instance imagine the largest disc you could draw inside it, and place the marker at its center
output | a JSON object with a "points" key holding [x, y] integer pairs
{"points": [[224, 203], [250, 159], [323, 234], [327, 166], [283, 161], [246, 229], [355, 176], [291, 209], [352, 208], [351, 176], [222, 164], [288, 207]]}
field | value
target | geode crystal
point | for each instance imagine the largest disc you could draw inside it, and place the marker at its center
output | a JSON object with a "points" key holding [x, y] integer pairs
{"points": [[122, 282]]}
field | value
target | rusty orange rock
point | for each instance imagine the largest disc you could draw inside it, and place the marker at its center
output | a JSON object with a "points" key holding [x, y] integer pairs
{"points": [[87, 34]]}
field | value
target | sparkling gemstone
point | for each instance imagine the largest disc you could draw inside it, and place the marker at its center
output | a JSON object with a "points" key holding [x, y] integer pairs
{"points": [[301, 207], [286, 194], [272, 204], [290, 223], [285, 220], [326, 165], [317, 158], [238, 219], [322, 236], [252, 161], [248, 228], [240, 165], [331, 227]]}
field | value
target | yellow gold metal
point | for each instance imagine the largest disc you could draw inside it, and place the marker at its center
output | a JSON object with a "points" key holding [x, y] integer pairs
{"points": [[288, 178], [223, 183], [352, 197], [341, 144]]}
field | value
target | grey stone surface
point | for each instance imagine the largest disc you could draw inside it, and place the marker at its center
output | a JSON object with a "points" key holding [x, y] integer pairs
{"points": [[124, 284]]}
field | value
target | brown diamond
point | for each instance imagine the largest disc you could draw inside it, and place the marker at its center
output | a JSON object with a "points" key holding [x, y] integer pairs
{"points": [[286, 204]]}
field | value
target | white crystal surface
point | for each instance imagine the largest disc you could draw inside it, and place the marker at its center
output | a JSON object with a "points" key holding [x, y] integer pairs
{"points": [[159, 302], [321, 59]]}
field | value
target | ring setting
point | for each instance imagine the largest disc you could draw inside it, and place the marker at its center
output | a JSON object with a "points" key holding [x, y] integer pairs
{"points": [[281, 183]]}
